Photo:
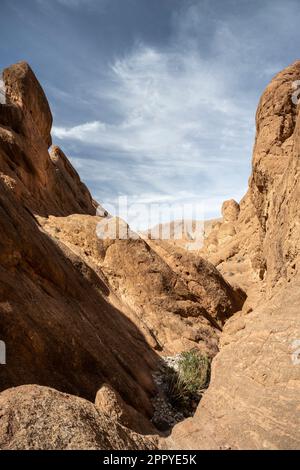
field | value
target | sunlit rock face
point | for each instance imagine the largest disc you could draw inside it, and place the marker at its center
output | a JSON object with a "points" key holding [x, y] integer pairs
{"points": [[253, 399]]}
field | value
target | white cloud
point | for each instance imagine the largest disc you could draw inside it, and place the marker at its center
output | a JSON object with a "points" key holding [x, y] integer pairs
{"points": [[179, 126], [174, 106], [185, 122]]}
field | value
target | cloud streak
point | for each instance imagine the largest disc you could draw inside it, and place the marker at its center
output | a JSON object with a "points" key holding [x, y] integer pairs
{"points": [[183, 111], [172, 107]]}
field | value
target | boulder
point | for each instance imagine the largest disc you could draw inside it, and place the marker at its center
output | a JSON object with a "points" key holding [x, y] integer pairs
{"points": [[40, 418], [110, 402]]}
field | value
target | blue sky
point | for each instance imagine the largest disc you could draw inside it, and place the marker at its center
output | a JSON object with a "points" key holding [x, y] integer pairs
{"points": [[154, 99]]}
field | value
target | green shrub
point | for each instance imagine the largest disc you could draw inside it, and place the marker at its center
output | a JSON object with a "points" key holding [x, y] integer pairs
{"points": [[194, 369], [186, 385]]}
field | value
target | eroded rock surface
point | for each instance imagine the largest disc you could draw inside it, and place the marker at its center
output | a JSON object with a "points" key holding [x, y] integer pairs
{"points": [[258, 244], [110, 402], [84, 314], [46, 184], [78, 312], [253, 400]]}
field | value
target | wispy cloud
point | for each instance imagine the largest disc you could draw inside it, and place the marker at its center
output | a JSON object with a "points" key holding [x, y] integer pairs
{"points": [[172, 106], [184, 111], [177, 121]]}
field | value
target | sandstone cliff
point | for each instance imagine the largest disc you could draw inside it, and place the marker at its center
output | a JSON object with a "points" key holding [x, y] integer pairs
{"points": [[178, 303], [253, 400]]}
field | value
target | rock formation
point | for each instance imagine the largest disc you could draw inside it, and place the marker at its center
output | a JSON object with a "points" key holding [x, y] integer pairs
{"points": [[253, 400], [40, 418], [59, 327], [89, 315], [78, 312], [45, 184], [168, 299], [109, 402]]}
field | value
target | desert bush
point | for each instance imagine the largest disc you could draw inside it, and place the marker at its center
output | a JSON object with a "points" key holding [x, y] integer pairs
{"points": [[185, 386]]}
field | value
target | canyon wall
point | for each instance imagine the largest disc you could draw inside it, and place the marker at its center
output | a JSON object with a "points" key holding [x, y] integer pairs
{"points": [[79, 313], [253, 399]]}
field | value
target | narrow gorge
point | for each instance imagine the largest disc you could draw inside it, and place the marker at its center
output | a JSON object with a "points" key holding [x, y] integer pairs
{"points": [[92, 325]]}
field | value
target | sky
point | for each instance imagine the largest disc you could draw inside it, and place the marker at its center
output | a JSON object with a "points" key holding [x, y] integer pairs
{"points": [[154, 100]]}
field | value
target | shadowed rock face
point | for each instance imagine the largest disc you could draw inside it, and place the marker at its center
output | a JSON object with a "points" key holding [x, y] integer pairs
{"points": [[253, 400], [169, 306], [83, 315], [109, 402], [57, 322]]}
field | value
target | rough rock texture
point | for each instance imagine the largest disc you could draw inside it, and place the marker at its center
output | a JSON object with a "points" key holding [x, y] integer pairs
{"points": [[78, 312], [203, 280], [83, 314], [40, 418], [253, 400], [178, 302], [168, 307], [274, 185], [230, 210]]}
